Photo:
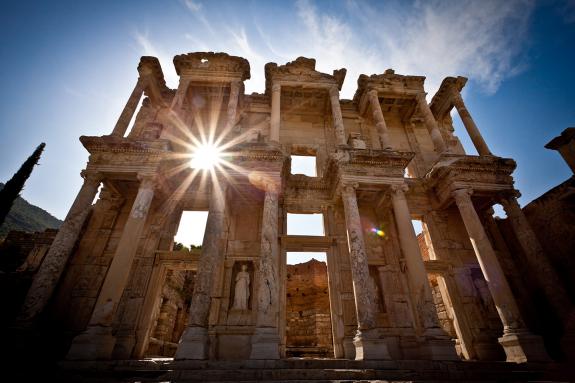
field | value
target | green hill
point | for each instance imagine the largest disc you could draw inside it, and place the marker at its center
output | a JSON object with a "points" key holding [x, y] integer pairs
{"points": [[27, 217]]}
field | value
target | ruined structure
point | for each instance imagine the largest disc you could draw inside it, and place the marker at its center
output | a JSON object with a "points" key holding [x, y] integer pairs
{"points": [[383, 159]]}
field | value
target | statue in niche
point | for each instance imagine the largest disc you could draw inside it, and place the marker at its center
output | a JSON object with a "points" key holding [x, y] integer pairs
{"points": [[242, 289]]}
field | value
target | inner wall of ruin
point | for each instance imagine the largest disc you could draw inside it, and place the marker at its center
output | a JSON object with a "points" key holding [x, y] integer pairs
{"points": [[385, 157]]}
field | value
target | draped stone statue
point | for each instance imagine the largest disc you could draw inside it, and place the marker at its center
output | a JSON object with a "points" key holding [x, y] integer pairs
{"points": [[242, 289]]}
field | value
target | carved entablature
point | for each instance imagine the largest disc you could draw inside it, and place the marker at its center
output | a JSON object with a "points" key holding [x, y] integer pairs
{"points": [[389, 82], [301, 71], [487, 176], [441, 103], [394, 92], [369, 169], [206, 65], [150, 68], [116, 154], [251, 160]]}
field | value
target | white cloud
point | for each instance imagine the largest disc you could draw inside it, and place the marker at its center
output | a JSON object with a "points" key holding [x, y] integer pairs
{"points": [[147, 48], [483, 40], [479, 39], [193, 6]]}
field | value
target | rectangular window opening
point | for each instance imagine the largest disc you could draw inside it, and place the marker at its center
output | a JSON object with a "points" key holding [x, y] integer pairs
{"points": [[305, 165], [191, 230], [305, 224]]}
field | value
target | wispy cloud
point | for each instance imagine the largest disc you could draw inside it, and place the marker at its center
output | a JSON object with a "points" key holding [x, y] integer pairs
{"points": [[482, 40], [146, 47], [193, 6]]}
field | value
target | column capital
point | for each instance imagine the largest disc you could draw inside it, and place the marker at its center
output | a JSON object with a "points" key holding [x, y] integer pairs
{"points": [[372, 93], [462, 195], [91, 177], [349, 187], [276, 87], [333, 91], [399, 190], [421, 97], [456, 98], [147, 180]]}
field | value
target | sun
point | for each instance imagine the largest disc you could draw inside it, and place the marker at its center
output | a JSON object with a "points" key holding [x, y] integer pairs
{"points": [[205, 156]]}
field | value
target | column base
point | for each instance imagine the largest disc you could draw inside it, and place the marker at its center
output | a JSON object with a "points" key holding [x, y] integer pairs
{"points": [[194, 344], [524, 347], [97, 342], [124, 346], [265, 343], [370, 346], [439, 349]]}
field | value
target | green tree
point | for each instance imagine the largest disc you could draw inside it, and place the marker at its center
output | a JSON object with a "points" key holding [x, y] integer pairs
{"points": [[14, 186]]}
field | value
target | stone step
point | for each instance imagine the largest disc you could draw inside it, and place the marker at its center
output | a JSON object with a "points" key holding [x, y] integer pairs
{"points": [[310, 370]]}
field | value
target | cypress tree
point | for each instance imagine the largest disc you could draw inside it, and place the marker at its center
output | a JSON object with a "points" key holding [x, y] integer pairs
{"points": [[14, 186]]}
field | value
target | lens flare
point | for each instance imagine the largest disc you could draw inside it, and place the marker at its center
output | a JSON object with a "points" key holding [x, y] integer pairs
{"points": [[378, 232], [205, 156]]}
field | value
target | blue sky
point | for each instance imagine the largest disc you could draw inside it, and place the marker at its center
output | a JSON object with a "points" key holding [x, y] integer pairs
{"points": [[67, 68]]}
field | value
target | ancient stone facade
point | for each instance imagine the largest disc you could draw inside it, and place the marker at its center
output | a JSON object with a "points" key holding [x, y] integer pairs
{"points": [[383, 158]]}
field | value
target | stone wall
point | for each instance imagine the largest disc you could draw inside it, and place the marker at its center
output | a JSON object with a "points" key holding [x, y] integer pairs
{"points": [[308, 330]]}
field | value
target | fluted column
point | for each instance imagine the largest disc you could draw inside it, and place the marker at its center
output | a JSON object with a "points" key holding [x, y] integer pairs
{"points": [[366, 347], [97, 342], [437, 345], [266, 340], [233, 105], [380, 124], [469, 124], [194, 341], [51, 269], [275, 114], [537, 259], [336, 116], [431, 124], [416, 273], [518, 343], [128, 112]]}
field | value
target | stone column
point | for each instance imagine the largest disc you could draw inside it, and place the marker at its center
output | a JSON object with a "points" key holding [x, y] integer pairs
{"points": [[336, 115], [97, 342], [431, 124], [519, 345], [380, 124], [233, 105], [416, 273], [538, 261], [194, 341], [266, 340], [437, 346], [180, 96], [469, 124], [51, 269], [367, 346], [128, 111], [275, 114]]}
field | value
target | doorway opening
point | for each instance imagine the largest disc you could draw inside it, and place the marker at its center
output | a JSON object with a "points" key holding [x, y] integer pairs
{"points": [[308, 316]]}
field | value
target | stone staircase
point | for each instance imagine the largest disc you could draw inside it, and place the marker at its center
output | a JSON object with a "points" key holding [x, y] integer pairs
{"points": [[310, 370]]}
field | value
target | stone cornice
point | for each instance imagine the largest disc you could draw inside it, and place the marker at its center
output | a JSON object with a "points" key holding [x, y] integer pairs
{"points": [[301, 70], [150, 66], [113, 144], [388, 81], [441, 103], [210, 63], [488, 174]]}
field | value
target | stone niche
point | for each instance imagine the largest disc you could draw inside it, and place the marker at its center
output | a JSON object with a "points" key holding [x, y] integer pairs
{"points": [[308, 322]]}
